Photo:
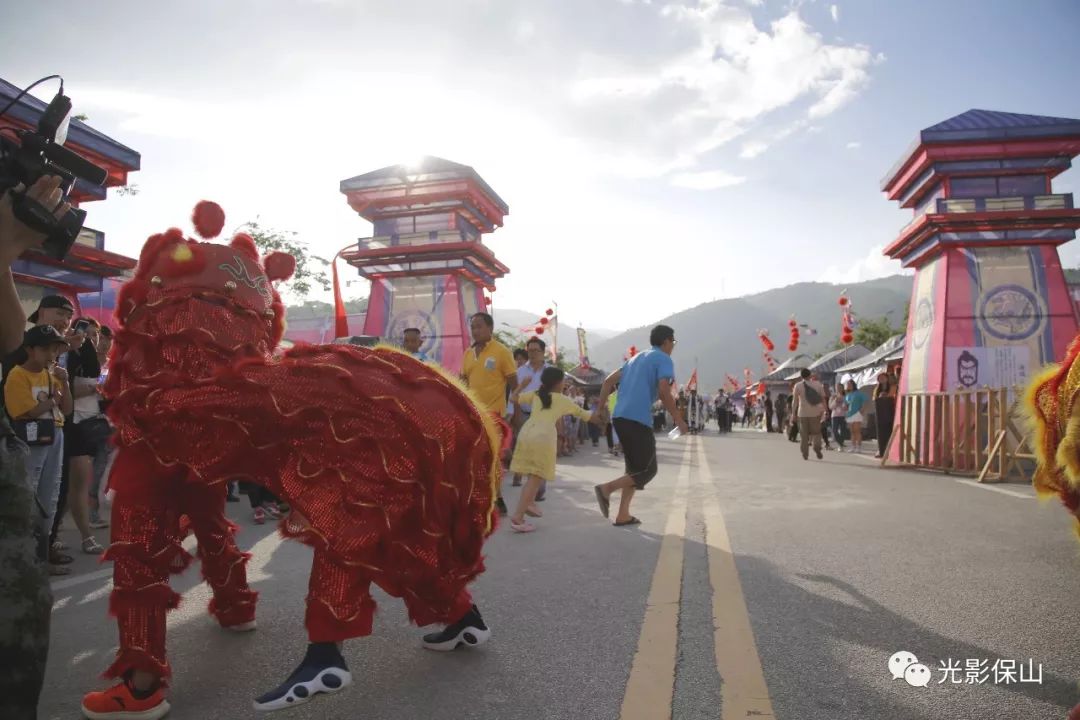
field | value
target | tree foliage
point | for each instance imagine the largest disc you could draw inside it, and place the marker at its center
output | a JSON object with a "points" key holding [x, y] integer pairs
{"points": [[311, 270], [873, 333]]}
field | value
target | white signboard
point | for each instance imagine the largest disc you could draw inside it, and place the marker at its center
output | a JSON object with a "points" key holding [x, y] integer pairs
{"points": [[967, 368]]}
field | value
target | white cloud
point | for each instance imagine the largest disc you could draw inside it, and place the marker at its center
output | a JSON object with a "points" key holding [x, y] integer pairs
{"points": [[874, 264], [753, 148], [853, 145], [729, 76], [835, 12], [706, 180]]}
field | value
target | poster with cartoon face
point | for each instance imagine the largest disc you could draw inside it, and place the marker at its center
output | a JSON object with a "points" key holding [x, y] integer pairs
{"points": [[970, 368]]}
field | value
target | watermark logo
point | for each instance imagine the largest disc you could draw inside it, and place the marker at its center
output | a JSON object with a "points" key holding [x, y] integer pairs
{"points": [[906, 666], [970, 671]]}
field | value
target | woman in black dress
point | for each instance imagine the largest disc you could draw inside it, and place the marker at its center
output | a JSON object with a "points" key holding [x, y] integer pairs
{"points": [[884, 410]]}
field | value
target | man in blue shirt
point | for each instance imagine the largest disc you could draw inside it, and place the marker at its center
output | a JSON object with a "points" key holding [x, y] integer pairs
{"points": [[641, 380]]}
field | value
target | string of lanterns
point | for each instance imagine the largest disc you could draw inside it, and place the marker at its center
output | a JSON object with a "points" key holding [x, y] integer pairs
{"points": [[763, 336], [793, 342], [541, 324], [847, 320]]}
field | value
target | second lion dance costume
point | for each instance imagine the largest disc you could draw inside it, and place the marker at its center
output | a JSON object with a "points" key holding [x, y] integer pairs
{"points": [[1053, 407], [388, 465]]}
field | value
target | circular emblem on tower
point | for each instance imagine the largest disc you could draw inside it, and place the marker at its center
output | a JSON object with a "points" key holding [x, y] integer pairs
{"points": [[418, 319], [924, 322], [1011, 312]]}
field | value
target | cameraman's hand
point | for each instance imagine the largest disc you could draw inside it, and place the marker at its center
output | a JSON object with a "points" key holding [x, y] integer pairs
{"points": [[16, 237]]}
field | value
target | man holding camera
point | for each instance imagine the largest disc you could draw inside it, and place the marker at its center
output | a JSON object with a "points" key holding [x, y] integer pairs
{"points": [[24, 580]]}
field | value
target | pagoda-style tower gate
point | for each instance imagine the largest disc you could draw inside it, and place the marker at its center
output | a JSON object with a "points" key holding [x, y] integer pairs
{"points": [[990, 304], [426, 261]]}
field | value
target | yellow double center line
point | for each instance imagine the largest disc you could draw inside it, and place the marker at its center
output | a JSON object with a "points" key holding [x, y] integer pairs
{"points": [[651, 687]]}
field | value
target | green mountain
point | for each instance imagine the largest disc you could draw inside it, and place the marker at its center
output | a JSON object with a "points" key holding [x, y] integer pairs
{"points": [[723, 335]]}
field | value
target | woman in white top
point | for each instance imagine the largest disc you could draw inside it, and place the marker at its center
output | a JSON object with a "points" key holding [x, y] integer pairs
{"points": [[838, 414]]}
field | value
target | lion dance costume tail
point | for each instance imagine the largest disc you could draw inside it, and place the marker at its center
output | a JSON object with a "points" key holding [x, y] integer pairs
{"points": [[389, 466]]}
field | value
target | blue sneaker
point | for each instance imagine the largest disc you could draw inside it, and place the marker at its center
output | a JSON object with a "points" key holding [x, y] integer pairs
{"points": [[323, 670]]}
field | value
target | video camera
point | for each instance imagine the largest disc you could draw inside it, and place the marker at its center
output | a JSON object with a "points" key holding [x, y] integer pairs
{"points": [[42, 152]]}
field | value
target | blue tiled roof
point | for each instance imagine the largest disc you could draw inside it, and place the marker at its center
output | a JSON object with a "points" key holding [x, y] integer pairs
{"points": [[994, 125], [29, 109]]}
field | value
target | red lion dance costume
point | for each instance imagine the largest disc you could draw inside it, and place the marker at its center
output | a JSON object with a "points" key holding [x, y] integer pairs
{"points": [[1053, 406], [388, 465]]}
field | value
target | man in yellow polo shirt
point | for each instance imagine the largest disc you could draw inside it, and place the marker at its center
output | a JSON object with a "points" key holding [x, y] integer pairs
{"points": [[490, 372]]}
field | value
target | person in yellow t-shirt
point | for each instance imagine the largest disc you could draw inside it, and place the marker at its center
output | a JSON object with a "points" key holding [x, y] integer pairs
{"points": [[489, 370], [537, 443], [33, 392], [488, 367]]}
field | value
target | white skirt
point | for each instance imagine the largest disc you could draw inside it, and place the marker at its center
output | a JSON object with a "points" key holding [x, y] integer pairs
{"points": [[856, 418]]}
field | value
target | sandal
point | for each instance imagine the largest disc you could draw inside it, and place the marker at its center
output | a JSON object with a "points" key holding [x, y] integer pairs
{"points": [[525, 527], [605, 504], [59, 558], [533, 511], [91, 546], [632, 521]]}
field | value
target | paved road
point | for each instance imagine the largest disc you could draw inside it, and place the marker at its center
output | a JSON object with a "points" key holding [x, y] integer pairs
{"points": [[758, 586]]}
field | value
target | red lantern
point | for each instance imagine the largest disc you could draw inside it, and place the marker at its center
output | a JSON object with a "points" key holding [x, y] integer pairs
{"points": [[846, 338], [843, 300], [543, 321], [792, 324], [539, 329], [793, 346], [633, 350], [549, 312], [487, 301]]}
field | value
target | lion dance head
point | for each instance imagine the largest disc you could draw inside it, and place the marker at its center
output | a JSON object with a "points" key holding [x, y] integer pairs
{"points": [[200, 305]]}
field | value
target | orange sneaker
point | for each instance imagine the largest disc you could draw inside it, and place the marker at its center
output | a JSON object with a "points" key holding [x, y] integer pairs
{"points": [[118, 703]]}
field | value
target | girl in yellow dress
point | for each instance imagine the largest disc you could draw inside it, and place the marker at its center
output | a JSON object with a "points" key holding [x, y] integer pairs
{"points": [[538, 440]]}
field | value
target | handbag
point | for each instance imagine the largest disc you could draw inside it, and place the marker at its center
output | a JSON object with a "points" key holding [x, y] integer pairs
{"points": [[36, 433]]}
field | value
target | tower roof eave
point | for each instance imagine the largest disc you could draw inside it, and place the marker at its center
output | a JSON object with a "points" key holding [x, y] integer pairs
{"points": [[428, 169], [976, 126]]}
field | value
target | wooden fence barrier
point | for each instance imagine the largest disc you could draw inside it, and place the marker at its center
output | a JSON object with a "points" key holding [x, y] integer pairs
{"points": [[966, 432]]}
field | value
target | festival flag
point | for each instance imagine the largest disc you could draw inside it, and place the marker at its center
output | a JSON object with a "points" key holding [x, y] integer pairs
{"points": [[553, 346], [341, 317], [691, 385], [582, 347]]}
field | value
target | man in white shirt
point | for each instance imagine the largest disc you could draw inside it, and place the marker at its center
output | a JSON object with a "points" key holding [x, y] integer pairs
{"points": [[809, 399], [528, 379]]}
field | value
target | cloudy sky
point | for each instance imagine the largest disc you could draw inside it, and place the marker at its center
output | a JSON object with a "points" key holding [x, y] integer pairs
{"points": [[655, 154]]}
